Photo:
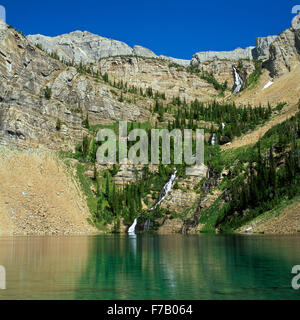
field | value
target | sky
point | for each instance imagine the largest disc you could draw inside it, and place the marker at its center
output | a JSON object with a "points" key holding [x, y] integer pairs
{"points": [[169, 27]]}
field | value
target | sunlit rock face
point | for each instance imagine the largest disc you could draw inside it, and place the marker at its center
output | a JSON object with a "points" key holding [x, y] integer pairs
{"points": [[284, 51], [235, 55], [181, 62], [81, 46], [143, 52], [28, 118]]}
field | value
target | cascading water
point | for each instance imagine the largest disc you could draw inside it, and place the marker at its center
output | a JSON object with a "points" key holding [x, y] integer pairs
{"points": [[213, 140], [238, 81], [131, 230], [148, 224], [166, 189]]}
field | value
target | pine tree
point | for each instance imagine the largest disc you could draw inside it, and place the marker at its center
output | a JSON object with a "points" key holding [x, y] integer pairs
{"points": [[48, 93], [85, 146], [86, 122], [107, 186], [95, 173], [272, 170], [58, 124]]}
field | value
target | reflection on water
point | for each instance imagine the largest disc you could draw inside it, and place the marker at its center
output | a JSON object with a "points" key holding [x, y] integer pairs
{"points": [[149, 267]]}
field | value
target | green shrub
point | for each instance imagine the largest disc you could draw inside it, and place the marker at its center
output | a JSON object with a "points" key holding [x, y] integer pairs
{"points": [[255, 75], [48, 93], [58, 124]]}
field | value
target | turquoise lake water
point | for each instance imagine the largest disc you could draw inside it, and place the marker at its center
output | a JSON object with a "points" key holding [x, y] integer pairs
{"points": [[150, 267]]}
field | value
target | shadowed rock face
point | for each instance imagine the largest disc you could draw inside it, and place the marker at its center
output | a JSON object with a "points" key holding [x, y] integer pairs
{"points": [[262, 50]]}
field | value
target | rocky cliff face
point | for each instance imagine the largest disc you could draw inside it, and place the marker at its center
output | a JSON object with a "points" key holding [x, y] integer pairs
{"points": [[235, 55], [81, 46], [85, 47], [260, 52], [262, 49], [28, 118], [285, 50], [143, 52], [88, 48], [181, 62], [157, 74]]}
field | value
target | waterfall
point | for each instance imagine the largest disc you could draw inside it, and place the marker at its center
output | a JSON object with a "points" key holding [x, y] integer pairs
{"points": [[213, 140], [165, 191], [223, 125], [148, 224], [162, 195], [238, 81], [131, 230]]}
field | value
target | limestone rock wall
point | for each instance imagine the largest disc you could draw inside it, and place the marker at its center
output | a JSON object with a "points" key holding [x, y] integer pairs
{"points": [[285, 50], [27, 118], [157, 74], [235, 55]]}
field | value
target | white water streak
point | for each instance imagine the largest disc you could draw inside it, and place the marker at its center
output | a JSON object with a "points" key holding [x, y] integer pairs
{"points": [[238, 81], [131, 230], [268, 85], [213, 140], [166, 189]]}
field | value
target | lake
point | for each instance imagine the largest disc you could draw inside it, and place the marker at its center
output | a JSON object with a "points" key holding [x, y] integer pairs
{"points": [[150, 267]]}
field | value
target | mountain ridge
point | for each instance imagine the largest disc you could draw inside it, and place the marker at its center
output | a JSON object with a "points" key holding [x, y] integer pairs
{"points": [[86, 52], [46, 102]]}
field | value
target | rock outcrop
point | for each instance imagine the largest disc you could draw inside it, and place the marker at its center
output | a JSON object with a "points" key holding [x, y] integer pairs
{"points": [[28, 118], [85, 47], [181, 62], [143, 52], [262, 50], [159, 75], [81, 46], [235, 55], [285, 50]]}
